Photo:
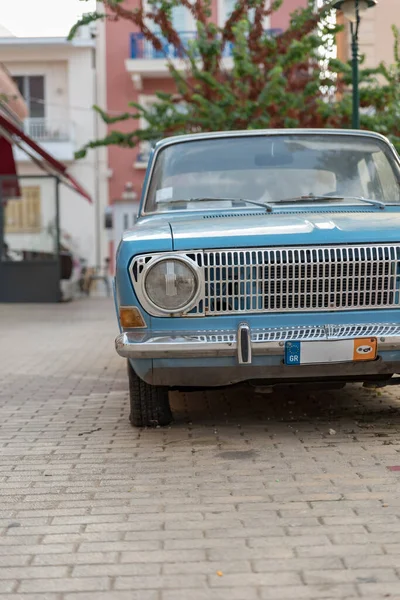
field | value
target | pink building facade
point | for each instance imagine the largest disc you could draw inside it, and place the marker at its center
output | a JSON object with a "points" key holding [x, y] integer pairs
{"points": [[134, 73]]}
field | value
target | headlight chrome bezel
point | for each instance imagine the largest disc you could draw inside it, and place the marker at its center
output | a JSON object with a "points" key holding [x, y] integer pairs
{"points": [[139, 269]]}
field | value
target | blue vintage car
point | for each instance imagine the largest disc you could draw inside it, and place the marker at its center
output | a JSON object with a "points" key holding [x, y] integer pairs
{"points": [[269, 257]]}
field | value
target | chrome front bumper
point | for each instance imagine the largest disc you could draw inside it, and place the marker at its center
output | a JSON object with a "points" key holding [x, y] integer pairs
{"points": [[246, 343]]}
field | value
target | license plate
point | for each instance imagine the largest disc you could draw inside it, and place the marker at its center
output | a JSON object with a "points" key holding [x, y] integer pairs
{"points": [[335, 351]]}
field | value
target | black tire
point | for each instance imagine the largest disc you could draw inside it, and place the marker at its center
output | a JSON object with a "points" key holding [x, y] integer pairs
{"points": [[149, 404]]}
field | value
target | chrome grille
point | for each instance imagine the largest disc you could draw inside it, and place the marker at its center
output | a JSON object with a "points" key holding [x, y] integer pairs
{"points": [[301, 279]]}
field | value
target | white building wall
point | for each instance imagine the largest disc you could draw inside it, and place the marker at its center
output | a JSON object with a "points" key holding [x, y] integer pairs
{"points": [[77, 215], [101, 162], [69, 95], [81, 94]]}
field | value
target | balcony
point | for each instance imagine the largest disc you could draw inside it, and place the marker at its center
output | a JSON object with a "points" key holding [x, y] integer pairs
{"points": [[45, 130], [143, 49], [145, 61], [55, 136]]}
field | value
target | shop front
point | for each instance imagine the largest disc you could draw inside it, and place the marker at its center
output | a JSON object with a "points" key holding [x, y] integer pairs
{"points": [[33, 262]]}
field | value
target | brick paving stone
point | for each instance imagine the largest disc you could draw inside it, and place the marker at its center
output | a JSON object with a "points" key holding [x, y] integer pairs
{"points": [[15, 560], [244, 497], [8, 585], [114, 595], [63, 584], [386, 590], [76, 558], [32, 572], [255, 579], [45, 596], [370, 575], [306, 592], [237, 593], [161, 582]]}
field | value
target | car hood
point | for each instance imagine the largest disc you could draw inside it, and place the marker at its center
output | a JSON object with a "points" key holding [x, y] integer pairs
{"points": [[219, 231]]}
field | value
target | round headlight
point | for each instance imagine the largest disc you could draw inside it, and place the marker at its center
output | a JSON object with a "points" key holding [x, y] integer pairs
{"points": [[171, 284]]}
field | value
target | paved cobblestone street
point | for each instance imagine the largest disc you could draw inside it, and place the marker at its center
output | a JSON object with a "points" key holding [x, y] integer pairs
{"points": [[246, 496]]}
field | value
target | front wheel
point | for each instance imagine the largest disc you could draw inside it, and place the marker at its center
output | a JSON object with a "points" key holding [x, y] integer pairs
{"points": [[149, 404]]}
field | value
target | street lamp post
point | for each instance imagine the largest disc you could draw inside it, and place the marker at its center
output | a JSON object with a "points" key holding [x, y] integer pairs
{"points": [[352, 11]]}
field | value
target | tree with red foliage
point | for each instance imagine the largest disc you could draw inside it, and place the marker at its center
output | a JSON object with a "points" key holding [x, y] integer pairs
{"points": [[269, 81]]}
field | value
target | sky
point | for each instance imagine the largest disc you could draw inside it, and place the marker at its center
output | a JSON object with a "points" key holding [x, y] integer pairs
{"points": [[41, 18]]}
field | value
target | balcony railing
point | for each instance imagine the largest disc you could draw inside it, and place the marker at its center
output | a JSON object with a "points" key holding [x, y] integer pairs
{"points": [[48, 130], [143, 49]]}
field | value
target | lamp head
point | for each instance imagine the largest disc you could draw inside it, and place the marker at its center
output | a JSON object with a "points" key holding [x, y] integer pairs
{"points": [[348, 8]]}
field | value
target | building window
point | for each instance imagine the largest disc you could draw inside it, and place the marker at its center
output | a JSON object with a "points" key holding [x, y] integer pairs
{"points": [[228, 7], [126, 222], [24, 215], [31, 88], [182, 19]]}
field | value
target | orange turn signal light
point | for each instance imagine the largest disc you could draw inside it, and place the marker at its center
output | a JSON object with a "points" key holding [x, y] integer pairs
{"points": [[130, 316]]}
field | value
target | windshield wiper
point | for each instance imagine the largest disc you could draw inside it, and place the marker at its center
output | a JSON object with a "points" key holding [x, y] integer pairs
{"points": [[268, 207], [372, 201], [377, 203]]}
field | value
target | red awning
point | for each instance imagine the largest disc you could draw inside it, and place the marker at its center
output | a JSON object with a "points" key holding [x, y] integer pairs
{"points": [[39, 156], [9, 186]]}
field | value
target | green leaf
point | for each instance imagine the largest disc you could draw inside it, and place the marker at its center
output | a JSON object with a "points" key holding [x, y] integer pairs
{"points": [[86, 19]]}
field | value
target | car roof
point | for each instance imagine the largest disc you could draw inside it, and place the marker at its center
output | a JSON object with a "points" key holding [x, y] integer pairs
{"points": [[266, 132]]}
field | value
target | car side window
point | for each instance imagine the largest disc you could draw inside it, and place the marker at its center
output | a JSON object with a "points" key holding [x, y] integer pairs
{"points": [[387, 178]]}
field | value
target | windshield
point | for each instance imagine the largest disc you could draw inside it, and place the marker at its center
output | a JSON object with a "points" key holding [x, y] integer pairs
{"points": [[223, 173]]}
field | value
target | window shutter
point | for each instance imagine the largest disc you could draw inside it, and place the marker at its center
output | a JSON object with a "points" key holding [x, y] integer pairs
{"points": [[24, 215]]}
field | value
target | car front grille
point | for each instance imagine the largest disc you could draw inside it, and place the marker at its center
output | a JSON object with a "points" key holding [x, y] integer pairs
{"points": [[301, 279]]}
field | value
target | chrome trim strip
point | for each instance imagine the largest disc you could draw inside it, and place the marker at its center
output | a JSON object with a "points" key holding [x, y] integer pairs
{"points": [[268, 342], [326, 332]]}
